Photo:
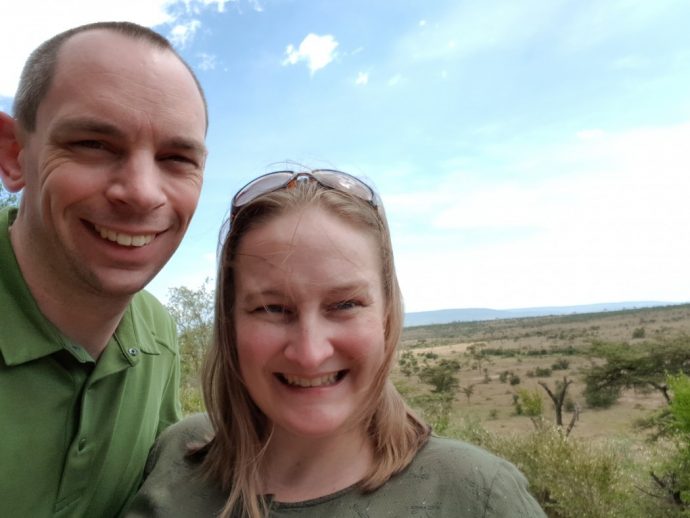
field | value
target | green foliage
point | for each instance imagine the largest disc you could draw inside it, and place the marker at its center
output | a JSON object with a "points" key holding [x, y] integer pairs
{"points": [[531, 402], [442, 376], [542, 372], [436, 410], [638, 332], [560, 364], [468, 391], [601, 397], [509, 377], [676, 473], [680, 405], [193, 312], [408, 363], [572, 478], [641, 367], [7, 198]]}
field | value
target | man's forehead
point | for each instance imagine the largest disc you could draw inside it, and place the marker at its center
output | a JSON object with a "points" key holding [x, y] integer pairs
{"points": [[100, 45], [116, 60]]}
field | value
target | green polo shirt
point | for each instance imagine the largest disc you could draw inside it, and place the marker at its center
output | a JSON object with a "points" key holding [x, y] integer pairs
{"points": [[74, 433]]}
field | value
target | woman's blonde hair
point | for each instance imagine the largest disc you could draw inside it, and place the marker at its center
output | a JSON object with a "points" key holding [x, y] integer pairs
{"points": [[242, 431]]}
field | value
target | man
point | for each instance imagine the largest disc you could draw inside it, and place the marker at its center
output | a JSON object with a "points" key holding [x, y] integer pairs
{"points": [[107, 145]]}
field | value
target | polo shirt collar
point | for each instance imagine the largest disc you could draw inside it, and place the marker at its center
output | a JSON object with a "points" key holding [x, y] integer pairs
{"points": [[24, 324]]}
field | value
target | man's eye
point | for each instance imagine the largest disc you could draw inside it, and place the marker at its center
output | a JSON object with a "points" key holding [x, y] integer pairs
{"points": [[90, 144], [180, 158]]}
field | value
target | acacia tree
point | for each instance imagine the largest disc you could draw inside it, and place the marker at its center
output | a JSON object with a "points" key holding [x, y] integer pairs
{"points": [[644, 366], [557, 397], [442, 376]]}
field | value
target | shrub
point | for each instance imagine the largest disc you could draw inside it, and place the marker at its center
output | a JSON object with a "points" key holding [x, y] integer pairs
{"points": [[573, 478], [603, 397], [514, 379], [638, 332], [542, 372], [561, 364]]}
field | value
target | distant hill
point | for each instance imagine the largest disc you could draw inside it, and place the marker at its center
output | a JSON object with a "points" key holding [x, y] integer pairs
{"points": [[445, 316]]}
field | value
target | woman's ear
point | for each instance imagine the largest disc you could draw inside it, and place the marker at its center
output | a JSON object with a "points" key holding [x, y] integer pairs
{"points": [[10, 147]]}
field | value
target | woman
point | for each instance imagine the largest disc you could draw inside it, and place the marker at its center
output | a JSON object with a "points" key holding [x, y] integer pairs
{"points": [[302, 416]]}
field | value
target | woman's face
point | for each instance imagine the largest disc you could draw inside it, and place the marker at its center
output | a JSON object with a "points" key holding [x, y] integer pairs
{"points": [[309, 314]]}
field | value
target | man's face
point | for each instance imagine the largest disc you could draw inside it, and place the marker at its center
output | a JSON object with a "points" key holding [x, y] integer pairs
{"points": [[113, 171]]}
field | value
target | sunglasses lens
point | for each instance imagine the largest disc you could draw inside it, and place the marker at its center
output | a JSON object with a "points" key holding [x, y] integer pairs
{"points": [[345, 183], [263, 184]]}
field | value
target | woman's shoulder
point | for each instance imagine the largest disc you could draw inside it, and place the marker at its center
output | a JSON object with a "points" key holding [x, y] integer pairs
{"points": [[174, 483], [176, 441], [468, 473], [444, 451], [193, 427]]}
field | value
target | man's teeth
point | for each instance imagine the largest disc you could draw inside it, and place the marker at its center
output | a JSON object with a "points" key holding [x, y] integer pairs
{"points": [[327, 379], [124, 239]]}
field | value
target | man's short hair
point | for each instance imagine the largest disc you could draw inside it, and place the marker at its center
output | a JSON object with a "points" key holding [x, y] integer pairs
{"points": [[39, 69]]}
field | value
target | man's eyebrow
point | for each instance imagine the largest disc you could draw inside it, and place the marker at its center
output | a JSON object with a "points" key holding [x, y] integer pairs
{"points": [[186, 145], [89, 125]]}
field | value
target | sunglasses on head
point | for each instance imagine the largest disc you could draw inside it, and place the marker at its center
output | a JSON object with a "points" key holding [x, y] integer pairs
{"points": [[277, 180]]}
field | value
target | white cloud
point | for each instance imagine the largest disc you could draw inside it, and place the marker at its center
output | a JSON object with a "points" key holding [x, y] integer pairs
{"points": [[613, 228], [362, 78], [182, 33], [26, 30], [422, 23], [206, 61], [256, 6], [317, 51]]}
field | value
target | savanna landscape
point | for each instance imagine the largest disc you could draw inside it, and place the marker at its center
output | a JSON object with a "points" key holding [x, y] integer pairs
{"points": [[620, 380]]}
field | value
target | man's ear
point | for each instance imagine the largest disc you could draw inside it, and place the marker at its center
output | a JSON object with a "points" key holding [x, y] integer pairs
{"points": [[10, 170]]}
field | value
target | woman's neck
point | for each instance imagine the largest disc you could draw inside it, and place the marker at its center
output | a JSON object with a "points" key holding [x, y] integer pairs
{"points": [[296, 469]]}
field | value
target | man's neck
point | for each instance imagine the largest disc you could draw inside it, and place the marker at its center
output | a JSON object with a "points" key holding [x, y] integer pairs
{"points": [[87, 318]]}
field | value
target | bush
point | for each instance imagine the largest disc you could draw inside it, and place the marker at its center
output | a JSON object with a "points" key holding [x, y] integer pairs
{"points": [[542, 372], [514, 379], [573, 478], [561, 364], [603, 397], [638, 332], [569, 405]]}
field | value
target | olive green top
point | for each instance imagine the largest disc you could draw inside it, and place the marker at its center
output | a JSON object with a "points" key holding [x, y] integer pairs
{"points": [[74, 433], [447, 478]]}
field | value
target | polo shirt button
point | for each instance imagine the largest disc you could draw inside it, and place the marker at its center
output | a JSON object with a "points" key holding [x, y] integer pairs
{"points": [[133, 351], [82, 444]]}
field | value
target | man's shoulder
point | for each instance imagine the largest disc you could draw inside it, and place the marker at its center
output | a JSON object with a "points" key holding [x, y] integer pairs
{"points": [[145, 305], [149, 313]]}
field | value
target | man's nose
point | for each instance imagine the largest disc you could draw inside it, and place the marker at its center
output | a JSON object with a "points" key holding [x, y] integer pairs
{"points": [[309, 344], [138, 184]]}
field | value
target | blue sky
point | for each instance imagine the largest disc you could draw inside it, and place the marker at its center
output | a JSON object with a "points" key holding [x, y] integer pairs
{"points": [[529, 153]]}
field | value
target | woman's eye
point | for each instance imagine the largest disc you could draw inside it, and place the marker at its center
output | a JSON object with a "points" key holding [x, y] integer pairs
{"points": [[274, 309], [346, 304]]}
